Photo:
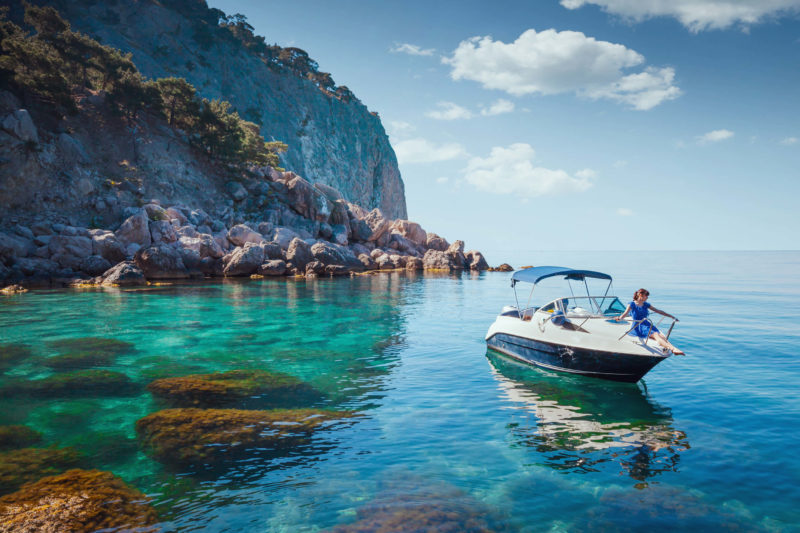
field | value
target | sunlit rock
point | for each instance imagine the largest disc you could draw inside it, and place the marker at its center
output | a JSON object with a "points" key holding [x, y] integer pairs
{"points": [[203, 436], [77, 500]]}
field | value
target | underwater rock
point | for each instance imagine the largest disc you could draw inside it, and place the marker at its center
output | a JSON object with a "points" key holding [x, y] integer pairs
{"points": [[17, 437], [78, 383], [77, 500], [25, 465], [91, 345], [203, 436], [11, 354], [226, 388], [423, 508], [659, 508], [76, 360]]}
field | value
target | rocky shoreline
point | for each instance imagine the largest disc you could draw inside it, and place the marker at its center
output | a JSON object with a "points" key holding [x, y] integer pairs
{"points": [[163, 241]]}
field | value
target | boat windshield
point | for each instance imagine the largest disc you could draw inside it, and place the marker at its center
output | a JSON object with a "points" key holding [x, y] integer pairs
{"points": [[585, 306]]}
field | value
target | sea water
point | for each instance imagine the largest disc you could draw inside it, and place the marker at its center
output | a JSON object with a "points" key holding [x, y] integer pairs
{"points": [[708, 441]]}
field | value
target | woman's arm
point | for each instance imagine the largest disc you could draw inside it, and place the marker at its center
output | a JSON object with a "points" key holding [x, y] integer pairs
{"points": [[660, 312], [623, 315]]}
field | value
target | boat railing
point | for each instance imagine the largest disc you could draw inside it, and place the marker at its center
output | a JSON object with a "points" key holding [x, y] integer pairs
{"points": [[635, 324]]}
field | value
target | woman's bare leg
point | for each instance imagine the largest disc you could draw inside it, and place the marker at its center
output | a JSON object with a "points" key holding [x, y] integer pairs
{"points": [[662, 340]]}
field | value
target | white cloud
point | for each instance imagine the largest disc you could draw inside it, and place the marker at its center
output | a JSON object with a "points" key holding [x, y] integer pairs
{"points": [[412, 49], [696, 15], [449, 111], [443, 179], [714, 136], [419, 150], [553, 62], [788, 141], [621, 163], [498, 108], [511, 171], [400, 128], [624, 212]]}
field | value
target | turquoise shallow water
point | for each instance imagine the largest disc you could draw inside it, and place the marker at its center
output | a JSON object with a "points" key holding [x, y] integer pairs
{"points": [[706, 441]]}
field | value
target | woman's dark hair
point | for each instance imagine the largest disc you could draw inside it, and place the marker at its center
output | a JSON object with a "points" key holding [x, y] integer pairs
{"points": [[640, 291]]}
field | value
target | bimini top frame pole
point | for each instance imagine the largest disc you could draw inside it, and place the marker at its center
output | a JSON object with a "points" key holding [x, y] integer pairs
{"points": [[534, 275]]}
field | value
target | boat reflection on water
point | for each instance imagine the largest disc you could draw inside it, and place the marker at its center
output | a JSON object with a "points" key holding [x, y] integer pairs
{"points": [[584, 425]]}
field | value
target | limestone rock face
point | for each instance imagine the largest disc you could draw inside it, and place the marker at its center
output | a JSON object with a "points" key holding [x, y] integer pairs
{"points": [[161, 262], [332, 141], [124, 274]]}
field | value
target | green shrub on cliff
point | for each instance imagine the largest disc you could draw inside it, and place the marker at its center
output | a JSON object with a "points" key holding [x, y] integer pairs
{"points": [[51, 63]]}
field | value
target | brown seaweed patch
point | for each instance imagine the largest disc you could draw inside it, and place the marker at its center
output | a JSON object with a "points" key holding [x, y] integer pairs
{"points": [[227, 388], [25, 465], [75, 360], [10, 354], [203, 436], [439, 508], [78, 383], [18, 437], [659, 508], [98, 345], [77, 500]]}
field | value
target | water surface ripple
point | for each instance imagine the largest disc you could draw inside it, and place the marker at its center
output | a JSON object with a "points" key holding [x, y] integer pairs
{"points": [[445, 433]]}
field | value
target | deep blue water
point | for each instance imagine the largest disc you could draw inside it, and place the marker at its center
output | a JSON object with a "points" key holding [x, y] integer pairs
{"points": [[704, 441]]}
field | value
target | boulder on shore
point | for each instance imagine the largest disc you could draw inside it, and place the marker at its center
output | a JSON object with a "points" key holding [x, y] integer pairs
{"points": [[123, 274], [476, 261], [243, 261], [135, 229], [161, 262]]}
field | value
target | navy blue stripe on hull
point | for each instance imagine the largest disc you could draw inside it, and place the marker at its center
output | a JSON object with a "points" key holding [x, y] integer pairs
{"points": [[605, 365]]}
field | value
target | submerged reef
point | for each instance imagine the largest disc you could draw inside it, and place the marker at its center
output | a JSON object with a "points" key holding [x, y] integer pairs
{"points": [[440, 508], [226, 388], [202, 436], [660, 508], [77, 500], [76, 360], [24, 465], [10, 354], [95, 345], [17, 437], [79, 383]]}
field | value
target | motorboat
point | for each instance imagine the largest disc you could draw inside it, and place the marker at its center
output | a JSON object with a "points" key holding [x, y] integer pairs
{"points": [[575, 334]]}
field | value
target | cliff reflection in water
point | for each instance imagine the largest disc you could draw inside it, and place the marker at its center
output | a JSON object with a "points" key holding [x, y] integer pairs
{"points": [[582, 425]]}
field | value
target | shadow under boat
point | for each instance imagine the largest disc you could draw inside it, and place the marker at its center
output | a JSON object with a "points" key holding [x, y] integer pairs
{"points": [[585, 425]]}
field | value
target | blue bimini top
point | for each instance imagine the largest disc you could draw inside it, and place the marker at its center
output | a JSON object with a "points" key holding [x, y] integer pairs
{"points": [[537, 274]]}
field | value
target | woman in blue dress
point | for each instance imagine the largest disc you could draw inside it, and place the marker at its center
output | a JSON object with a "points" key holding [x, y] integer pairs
{"points": [[639, 309]]}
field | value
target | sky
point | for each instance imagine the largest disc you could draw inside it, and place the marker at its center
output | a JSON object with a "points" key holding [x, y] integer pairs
{"points": [[574, 124]]}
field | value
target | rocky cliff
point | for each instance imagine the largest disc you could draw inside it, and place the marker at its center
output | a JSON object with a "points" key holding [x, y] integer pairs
{"points": [[332, 140]]}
